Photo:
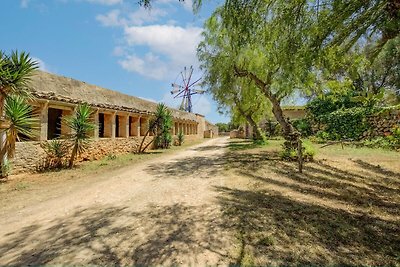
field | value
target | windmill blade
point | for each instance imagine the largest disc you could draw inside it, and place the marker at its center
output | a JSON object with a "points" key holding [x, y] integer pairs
{"points": [[177, 86], [199, 91], [194, 83], [174, 91]]}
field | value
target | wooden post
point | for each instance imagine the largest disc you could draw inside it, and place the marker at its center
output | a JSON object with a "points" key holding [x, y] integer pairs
{"points": [[300, 154]]}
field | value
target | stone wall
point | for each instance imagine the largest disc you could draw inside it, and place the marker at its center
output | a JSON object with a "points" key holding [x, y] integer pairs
{"points": [[382, 124], [29, 154]]}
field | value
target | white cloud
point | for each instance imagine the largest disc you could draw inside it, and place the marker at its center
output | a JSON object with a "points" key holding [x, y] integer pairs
{"points": [[149, 66], [42, 65], [105, 2], [119, 51], [25, 3], [137, 18], [111, 19], [142, 16], [176, 45]]}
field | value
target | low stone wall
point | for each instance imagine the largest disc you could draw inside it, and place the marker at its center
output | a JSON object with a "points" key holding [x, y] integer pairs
{"points": [[382, 124], [28, 155]]}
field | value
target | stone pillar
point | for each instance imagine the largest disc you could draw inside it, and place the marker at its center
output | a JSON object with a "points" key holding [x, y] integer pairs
{"points": [[143, 126], [113, 126], [96, 124], [127, 118], [65, 130], [44, 119], [135, 128]]}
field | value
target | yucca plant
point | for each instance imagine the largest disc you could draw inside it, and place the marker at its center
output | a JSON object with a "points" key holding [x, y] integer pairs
{"points": [[154, 125], [81, 126], [16, 71], [19, 123], [56, 151]]}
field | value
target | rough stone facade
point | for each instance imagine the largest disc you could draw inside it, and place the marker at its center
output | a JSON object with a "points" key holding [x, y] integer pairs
{"points": [[121, 120], [383, 124]]}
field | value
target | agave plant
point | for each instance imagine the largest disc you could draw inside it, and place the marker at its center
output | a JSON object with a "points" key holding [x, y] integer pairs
{"points": [[19, 122], [81, 127]]}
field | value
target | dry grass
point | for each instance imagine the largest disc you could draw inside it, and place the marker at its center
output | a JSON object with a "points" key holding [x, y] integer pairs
{"points": [[343, 210]]}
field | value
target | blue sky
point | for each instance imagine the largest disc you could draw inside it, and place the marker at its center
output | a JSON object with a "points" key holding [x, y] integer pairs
{"points": [[111, 43]]}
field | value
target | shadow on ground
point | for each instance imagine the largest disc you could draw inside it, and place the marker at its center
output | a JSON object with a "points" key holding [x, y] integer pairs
{"points": [[327, 215], [167, 235]]}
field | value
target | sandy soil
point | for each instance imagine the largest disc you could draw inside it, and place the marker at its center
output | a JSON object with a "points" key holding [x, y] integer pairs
{"points": [[222, 202], [162, 211]]}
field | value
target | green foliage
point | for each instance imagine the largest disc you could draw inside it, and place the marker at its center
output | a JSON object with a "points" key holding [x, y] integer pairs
{"points": [[222, 127], [160, 125], [163, 138], [111, 156], [291, 154], [386, 142], [181, 138], [303, 126], [56, 155], [16, 71], [346, 123], [19, 123], [339, 114], [81, 125]]}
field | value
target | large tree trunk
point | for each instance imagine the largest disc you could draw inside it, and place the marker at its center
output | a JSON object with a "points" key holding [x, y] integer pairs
{"points": [[289, 133]]}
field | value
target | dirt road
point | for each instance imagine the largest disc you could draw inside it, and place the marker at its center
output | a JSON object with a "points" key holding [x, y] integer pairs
{"points": [[163, 211]]}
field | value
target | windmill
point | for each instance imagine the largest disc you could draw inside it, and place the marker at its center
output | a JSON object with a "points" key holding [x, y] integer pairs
{"points": [[184, 87]]}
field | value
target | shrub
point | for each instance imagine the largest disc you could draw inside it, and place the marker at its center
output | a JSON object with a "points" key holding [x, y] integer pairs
{"points": [[303, 126], [346, 123], [181, 138], [291, 154], [386, 142], [56, 155]]}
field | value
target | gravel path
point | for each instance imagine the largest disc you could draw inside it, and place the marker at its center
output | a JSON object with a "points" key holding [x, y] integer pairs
{"points": [[160, 212]]}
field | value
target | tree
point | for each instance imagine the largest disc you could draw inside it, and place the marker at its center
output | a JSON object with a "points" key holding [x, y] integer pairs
{"points": [[16, 71], [155, 123], [242, 99], [81, 126], [20, 124], [271, 56]]}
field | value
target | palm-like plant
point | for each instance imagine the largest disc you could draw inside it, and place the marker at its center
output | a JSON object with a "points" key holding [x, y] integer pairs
{"points": [[163, 132], [154, 124], [19, 122], [16, 71], [81, 126]]}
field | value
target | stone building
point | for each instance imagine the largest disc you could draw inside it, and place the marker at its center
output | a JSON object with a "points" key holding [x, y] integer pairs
{"points": [[122, 120]]}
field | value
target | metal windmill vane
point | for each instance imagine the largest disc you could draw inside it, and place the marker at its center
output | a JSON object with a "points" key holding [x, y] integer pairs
{"points": [[185, 88]]}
